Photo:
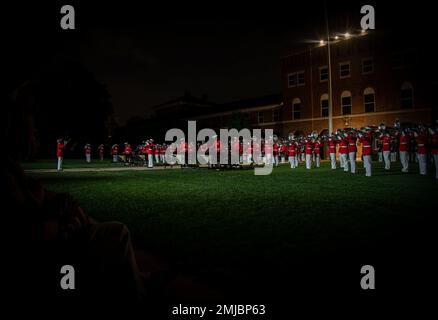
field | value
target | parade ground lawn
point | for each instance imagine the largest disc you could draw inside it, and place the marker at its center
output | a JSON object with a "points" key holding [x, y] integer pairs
{"points": [[218, 223]]}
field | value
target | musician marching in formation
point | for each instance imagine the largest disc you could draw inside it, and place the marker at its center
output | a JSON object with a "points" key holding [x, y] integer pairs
{"points": [[87, 150], [420, 140], [61, 143], [101, 150], [367, 142]]}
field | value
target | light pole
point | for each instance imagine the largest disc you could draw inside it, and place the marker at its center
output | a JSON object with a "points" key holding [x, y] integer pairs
{"points": [[330, 93], [330, 84], [330, 99]]}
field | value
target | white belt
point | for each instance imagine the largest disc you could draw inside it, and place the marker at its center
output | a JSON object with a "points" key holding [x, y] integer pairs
{"points": [[366, 146]]}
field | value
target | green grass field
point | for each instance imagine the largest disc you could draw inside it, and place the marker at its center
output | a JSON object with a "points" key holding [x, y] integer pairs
{"points": [[225, 221]]}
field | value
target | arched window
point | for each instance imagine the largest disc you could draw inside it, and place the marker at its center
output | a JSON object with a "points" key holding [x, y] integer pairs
{"points": [[407, 95], [296, 108], [324, 105], [369, 100], [346, 102]]}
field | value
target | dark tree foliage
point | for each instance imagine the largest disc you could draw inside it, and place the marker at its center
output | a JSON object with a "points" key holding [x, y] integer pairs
{"points": [[71, 104]]}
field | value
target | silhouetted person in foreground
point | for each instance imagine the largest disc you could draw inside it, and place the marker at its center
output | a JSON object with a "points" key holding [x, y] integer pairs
{"points": [[51, 230]]}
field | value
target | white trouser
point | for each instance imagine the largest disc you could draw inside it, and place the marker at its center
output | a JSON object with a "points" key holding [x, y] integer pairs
{"points": [[386, 159], [313, 157], [241, 159], [115, 158], [435, 159], [393, 157], [380, 156], [292, 162], [303, 157], [367, 164], [283, 160], [150, 161], [318, 160], [101, 157], [59, 164], [352, 157], [344, 159], [308, 161], [422, 162], [404, 161], [296, 161], [249, 158], [341, 161], [162, 158], [203, 159], [180, 158], [333, 160], [88, 157], [276, 160], [157, 158]]}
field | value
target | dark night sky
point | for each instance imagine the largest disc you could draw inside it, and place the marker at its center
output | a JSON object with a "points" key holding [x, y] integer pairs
{"points": [[148, 54]]}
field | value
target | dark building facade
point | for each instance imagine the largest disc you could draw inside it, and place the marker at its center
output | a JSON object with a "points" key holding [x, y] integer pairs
{"points": [[375, 78]]}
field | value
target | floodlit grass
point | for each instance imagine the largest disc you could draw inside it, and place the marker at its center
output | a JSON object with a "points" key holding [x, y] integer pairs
{"points": [[212, 220]]}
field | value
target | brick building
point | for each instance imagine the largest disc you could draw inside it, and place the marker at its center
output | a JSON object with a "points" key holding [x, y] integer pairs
{"points": [[372, 81]]}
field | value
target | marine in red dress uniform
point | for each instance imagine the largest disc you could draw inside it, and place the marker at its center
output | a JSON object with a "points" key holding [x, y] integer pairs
{"points": [[87, 150], [386, 148], [352, 150], [343, 152], [115, 152], [317, 152], [309, 150], [332, 151], [403, 147], [367, 141], [421, 140], [101, 150], [60, 144]]}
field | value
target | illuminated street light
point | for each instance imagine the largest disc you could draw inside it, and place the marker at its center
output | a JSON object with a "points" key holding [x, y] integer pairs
{"points": [[321, 42], [336, 37], [347, 35]]}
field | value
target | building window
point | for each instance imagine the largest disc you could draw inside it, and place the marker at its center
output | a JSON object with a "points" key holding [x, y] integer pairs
{"points": [[323, 74], [291, 80], [369, 100], [407, 96], [296, 109], [276, 115], [324, 105], [346, 102], [344, 69], [367, 66], [260, 117], [300, 78]]}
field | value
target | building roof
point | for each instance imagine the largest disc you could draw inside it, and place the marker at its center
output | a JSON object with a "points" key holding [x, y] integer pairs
{"points": [[267, 100], [186, 99]]}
